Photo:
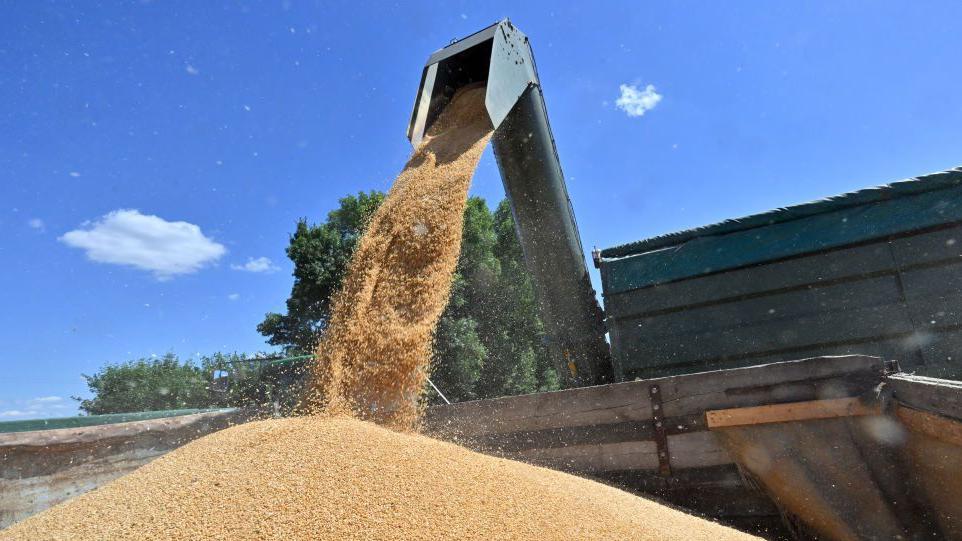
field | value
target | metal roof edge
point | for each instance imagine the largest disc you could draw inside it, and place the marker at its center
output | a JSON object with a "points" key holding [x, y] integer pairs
{"points": [[920, 184]]}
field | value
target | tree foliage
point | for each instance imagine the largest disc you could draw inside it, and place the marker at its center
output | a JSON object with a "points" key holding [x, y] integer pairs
{"points": [[487, 344], [165, 383], [162, 383], [488, 341], [320, 254]]}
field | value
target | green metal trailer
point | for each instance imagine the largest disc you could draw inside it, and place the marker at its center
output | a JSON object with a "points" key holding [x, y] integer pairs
{"points": [[875, 272]]}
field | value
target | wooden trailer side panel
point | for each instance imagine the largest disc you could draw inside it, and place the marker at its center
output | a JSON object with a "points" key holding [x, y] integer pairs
{"points": [[610, 432], [39, 469], [880, 466], [931, 412]]}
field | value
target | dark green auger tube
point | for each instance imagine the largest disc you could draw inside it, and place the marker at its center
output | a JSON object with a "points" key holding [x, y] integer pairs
{"points": [[500, 56]]}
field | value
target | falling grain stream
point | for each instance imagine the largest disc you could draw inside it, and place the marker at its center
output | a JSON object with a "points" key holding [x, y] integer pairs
{"points": [[374, 359]]}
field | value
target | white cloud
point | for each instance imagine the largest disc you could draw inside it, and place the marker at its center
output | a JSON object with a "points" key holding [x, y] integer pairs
{"points": [[37, 223], [636, 102], [127, 237], [261, 264], [191, 70], [233, 296], [36, 408]]}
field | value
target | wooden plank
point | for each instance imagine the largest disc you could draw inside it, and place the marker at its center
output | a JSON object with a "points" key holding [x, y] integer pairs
{"points": [[815, 470], [817, 268], [562, 437], [634, 455], [939, 396], [72, 437], [935, 470], [793, 381], [941, 245], [932, 425], [725, 477], [785, 413], [603, 404], [717, 491], [881, 444], [721, 503], [940, 371], [581, 435], [862, 324], [695, 450], [784, 306]]}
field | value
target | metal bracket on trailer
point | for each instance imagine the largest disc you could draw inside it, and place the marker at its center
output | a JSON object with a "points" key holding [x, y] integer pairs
{"points": [[661, 434]]}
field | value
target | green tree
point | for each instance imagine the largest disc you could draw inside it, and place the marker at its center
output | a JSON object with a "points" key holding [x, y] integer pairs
{"points": [[517, 361], [168, 383], [147, 385], [256, 382], [459, 351], [320, 254], [488, 340]]}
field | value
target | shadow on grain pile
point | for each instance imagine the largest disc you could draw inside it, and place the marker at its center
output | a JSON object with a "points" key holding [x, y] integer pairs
{"points": [[335, 476]]}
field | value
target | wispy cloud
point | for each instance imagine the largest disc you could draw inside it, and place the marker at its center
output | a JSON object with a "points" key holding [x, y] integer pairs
{"points": [[37, 223], [637, 102], [260, 264], [127, 237], [233, 296], [37, 408]]}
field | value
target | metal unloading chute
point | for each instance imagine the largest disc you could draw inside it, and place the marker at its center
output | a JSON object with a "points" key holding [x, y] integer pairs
{"points": [[501, 57]]}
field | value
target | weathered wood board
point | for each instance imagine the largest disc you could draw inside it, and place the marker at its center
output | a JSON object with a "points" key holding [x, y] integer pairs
{"points": [[832, 408], [39, 469], [881, 466], [839, 447], [608, 432]]}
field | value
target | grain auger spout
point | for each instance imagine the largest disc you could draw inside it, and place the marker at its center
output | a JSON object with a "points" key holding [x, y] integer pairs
{"points": [[500, 56]]}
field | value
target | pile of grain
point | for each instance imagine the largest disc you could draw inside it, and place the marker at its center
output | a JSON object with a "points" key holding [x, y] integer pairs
{"points": [[373, 361], [324, 478]]}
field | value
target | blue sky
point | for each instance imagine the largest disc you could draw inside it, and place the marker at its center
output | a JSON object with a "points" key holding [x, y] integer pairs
{"points": [[185, 138]]}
